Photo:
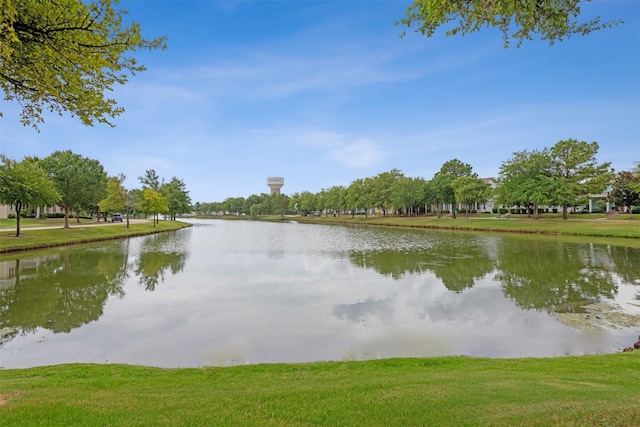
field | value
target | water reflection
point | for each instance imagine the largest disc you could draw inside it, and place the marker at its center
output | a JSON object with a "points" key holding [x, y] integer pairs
{"points": [[554, 277], [160, 253], [230, 292], [61, 291]]}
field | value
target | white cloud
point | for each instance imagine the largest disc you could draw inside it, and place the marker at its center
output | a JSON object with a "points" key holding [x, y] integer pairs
{"points": [[361, 153]]}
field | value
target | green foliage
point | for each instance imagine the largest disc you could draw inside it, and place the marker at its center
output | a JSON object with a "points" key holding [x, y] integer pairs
{"points": [[150, 179], [25, 184], [335, 198], [470, 190], [407, 193], [116, 198], [440, 185], [177, 197], [576, 172], [81, 182], [360, 195], [526, 180], [154, 202], [63, 56], [624, 190], [520, 20], [382, 189]]}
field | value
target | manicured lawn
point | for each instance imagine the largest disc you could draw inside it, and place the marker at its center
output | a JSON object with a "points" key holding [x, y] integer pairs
{"points": [[456, 391], [86, 231], [581, 225]]}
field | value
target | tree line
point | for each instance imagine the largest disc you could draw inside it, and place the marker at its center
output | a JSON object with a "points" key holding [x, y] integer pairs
{"points": [[80, 185], [562, 175]]}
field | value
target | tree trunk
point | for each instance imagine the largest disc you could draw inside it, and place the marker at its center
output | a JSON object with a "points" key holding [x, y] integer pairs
{"points": [[66, 217], [18, 209], [565, 212]]}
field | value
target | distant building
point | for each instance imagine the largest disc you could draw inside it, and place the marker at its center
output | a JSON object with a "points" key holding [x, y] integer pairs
{"points": [[275, 183]]}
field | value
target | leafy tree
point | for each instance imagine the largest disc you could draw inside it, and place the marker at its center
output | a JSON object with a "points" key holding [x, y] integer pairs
{"points": [[552, 20], [81, 181], [134, 202], [255, 210], [407, 193], [335, 198], [116, 198], [177, 197], [441, 183], [294, 202], [150, 180], [307, 202], [24, 184], [429, 196], [382, 189], [280, 203], [254, 199], [576, 172], [360, 195], [470, 190], [526, 180], [63, 55], [152, 201], [624, 192]]}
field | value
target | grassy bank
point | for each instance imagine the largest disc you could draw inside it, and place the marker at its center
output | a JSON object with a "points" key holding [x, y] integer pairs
{"points": [[568, 391], [87, 231], [576, 226]]}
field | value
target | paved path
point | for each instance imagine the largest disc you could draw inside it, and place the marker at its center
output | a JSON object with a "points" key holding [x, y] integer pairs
{"points": [[72, 224]]}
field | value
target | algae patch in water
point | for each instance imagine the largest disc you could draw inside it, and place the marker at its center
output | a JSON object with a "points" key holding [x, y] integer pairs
{"points": [[599, 316]]}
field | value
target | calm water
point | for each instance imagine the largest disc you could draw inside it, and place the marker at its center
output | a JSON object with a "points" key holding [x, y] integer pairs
{"points": [[235, 292]]}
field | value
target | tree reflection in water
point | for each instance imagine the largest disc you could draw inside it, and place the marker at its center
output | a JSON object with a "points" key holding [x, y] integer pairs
{"points": [[61, 291], [553, 276], [536, 272], [160, 253], [458, 261]]}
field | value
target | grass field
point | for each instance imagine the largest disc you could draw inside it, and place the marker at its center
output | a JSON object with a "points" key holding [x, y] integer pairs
{"points": [[577, 225], [86, 231], [597, 390]]}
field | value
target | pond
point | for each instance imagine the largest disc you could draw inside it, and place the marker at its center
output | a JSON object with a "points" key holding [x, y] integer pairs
{"points": [[242, 292]]}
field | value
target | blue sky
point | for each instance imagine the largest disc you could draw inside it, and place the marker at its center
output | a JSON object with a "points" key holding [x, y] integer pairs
{"points": [[324, 92]]}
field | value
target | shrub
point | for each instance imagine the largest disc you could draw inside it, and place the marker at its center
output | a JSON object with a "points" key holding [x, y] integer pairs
{"points": [[11, 216], [635, 210], [502, 211], [54, 215]]}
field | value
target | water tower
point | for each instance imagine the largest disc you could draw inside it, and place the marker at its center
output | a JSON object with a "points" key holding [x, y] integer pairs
{"points": [[275, 183]]}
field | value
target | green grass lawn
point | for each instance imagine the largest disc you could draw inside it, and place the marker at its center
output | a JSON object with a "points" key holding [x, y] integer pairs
{"points": [[597, 390], [580, 225], [86, 231]]}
